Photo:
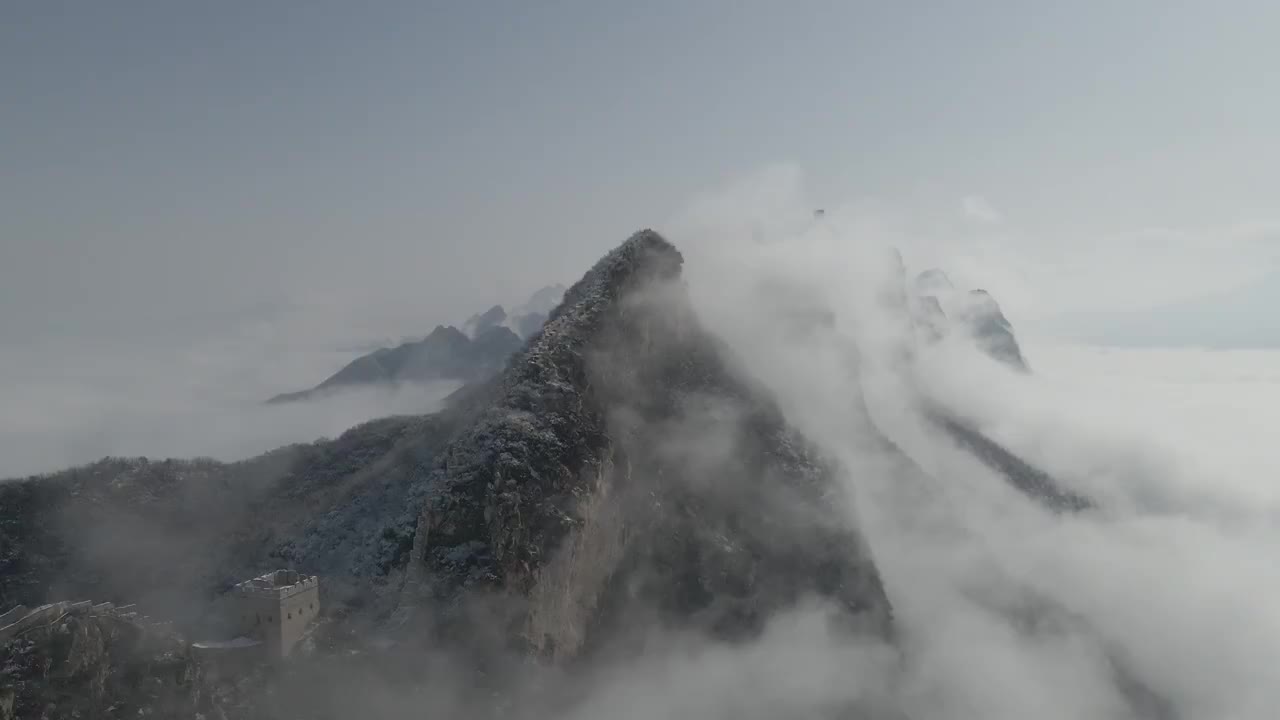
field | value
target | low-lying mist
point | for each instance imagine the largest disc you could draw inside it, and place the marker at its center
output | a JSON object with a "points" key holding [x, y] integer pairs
{"points": [[70, 405], [1162, 602]]}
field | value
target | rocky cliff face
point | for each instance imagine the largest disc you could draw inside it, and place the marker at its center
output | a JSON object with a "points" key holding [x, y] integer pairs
{"points": [[992, 330], [628, 472], [96, 665], [939, 308], [936, 309]]}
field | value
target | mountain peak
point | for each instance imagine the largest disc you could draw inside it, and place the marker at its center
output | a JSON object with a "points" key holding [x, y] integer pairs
{"points": [[934, 282], [587, 466], [644, 256], [445, 333], [543, 301], [938, 306], [991, 329], [481, 322]]}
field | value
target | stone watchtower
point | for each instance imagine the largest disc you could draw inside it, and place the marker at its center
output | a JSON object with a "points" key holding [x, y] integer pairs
{"points": [[276, 609]]}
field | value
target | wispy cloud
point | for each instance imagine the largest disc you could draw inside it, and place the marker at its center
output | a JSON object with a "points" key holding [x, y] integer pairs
{"points": [[1004, 610], [65, 405]]}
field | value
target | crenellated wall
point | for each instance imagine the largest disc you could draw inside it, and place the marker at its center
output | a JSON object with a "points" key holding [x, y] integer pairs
{"points": [[20, 619]]}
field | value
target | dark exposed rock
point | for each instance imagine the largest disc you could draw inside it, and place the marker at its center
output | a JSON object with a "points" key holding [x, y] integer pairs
{"points": [[991, 329], [627, 466], [1030, 480], [91, 666], [937, 306]]}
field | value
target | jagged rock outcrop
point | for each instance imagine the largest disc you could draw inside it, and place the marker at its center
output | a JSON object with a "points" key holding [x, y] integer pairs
{"points": [[626, 473], [477, 351], [487, 320], [978, 315], [80, 660], [445, 354], [1022, 475], [83, 662], [938, 307], [991, 329]]}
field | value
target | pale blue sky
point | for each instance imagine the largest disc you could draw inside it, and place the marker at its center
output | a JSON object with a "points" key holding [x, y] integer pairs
{"points": [[169, 164]]}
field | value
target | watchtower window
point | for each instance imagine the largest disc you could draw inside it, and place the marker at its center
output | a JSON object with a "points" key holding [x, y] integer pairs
{"points": [[290, 616]]}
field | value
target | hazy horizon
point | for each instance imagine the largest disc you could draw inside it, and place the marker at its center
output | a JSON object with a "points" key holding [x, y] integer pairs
{"points": [[196, 388], [273, 183], [178, 171]]}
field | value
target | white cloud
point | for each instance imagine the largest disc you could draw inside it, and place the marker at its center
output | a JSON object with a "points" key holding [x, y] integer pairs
{"points": [[1005, 610], [66, 405], [1039, 275]]}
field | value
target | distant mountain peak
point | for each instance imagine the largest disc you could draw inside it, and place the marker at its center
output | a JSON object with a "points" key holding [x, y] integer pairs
{"points": [[445, 333], [934, 282], [991, 329], [478, 349], [446, 353], [480, 322], [939, 307], [542, 301]]}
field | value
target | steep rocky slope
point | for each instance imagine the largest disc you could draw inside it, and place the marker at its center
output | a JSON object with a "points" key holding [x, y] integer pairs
{"points": [[170, 534], [96, 665], [939, 308], [992, 330], [628, 470]]}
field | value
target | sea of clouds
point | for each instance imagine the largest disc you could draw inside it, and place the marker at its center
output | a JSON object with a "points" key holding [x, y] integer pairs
{"points": [[69, 404], [1162, 602]]}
